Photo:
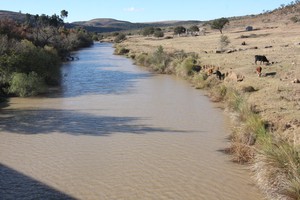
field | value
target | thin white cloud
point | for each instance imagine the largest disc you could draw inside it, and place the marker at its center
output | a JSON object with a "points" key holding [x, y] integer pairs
{"points": [[133, 9]]}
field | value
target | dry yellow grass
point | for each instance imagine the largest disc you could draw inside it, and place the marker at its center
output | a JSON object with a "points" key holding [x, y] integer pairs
{"points": [[277, 99]]}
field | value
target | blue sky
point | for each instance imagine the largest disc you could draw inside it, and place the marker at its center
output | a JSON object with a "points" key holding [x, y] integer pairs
{"points": [[143, 10]]}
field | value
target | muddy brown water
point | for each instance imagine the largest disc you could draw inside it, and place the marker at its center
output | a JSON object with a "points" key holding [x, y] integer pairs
{"points": [[115, 131]]}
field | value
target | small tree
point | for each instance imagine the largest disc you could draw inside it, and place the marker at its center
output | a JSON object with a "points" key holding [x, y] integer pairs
{"points": [[148, 31], [64, 14], [119, 38], [25, 85], [219, 24], [194, 29], [224, 41], [158, 34], [179, 30]]}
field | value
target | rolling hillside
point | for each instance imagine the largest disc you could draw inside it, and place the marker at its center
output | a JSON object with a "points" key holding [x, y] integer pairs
{"points": [[102, 24]]}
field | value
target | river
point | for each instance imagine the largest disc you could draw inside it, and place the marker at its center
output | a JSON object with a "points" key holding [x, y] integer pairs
{"points": [[115, 131]]}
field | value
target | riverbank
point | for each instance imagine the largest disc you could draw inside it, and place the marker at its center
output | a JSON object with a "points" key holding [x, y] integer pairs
{"points": [[267, 110]]}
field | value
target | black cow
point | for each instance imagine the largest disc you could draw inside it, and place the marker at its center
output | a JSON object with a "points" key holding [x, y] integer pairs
{"points": [[262, 59], [219, 75], [196, 68]]}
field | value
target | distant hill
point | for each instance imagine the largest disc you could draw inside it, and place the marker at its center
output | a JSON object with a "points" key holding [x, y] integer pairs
{"points": [[12, 15], [102, 24], [108, 24]]}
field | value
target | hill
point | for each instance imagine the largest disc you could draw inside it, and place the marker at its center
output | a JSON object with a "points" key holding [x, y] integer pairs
{"points": [[109, 25], [101, 25], [17, 16]]}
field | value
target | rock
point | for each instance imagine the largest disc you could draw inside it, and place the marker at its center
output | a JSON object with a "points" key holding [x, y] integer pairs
{"points": [[232, 76], [231, 50], [296, 81], [248, 89], [249, 28]]}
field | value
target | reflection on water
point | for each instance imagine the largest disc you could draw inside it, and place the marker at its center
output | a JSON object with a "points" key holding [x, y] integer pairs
{"points": [[98, 72], [162, 138]]}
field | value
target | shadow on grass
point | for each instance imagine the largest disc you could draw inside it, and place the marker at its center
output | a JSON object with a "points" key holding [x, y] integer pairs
{"points": [[71, 122], [16, 186]]}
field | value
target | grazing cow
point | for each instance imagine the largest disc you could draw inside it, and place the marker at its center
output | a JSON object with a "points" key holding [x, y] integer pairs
{"points": [[258, 70], [209, 71], [260, 58], [219, 75]]}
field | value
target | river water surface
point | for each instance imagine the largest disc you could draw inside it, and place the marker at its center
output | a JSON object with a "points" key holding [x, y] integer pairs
{"points": [[115, 131]]}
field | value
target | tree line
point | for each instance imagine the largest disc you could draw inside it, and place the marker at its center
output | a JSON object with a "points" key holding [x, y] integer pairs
{"points": [[31, 52], [218, 24]]}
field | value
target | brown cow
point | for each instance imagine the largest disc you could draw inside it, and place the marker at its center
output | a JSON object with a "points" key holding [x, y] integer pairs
{"points": [[258, 70]]}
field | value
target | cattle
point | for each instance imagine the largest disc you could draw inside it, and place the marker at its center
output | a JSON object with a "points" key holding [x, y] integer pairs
{"points": [[219, 75], [258, 70], [262, 59], [196, 68]]}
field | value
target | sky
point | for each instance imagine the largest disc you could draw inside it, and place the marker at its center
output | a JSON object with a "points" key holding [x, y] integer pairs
{"points": [[143, 10]]}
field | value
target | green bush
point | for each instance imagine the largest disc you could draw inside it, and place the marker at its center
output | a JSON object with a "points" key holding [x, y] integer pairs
{"points": [[185, 68], [159, 34], [119, 38], [160, 60], [143, 59], [43, 61], [123, 51], [147, 31], [24, 85], [199, 80], [224, 41]]}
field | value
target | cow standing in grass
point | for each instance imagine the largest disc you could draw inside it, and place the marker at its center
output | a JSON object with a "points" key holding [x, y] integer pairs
{"points": [[258, 71], [262, 59]]}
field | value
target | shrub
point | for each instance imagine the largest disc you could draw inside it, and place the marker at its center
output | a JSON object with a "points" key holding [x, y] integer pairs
{"points": [[234, 100], [179, 30], [43, 61], [240, 147], [148, 31], [199, 80], [295, 19], [158, 34], [121, 51], [188, 65], [224, 41], [24, 85], [277, 169], [218, 93], [160, 60], [119, 38], [143, 59]]}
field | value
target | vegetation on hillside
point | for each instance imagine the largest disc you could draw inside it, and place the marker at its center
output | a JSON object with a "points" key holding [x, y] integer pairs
{"points": [[31, 52]]}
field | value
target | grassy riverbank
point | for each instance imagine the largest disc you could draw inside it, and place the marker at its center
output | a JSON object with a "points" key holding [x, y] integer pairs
{"points": [[265, 110]]}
